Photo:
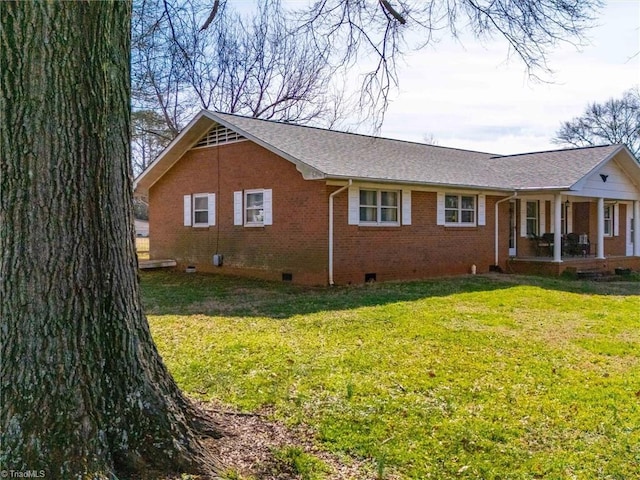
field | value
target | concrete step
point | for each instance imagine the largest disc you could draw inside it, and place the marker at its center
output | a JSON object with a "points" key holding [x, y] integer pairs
{"points": [[149, 264]]}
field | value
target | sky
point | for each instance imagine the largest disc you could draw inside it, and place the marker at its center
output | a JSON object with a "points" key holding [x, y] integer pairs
{"points": [[472, 96]]}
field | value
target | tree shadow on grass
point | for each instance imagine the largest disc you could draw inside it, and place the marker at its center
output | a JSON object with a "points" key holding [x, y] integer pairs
{"points": [[178, 293]]}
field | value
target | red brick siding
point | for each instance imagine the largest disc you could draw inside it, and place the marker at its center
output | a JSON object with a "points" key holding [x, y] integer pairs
{"points": [[581, 219], [613, 246], [616, 246], [420, 250], [296, 243], [525, 247]]}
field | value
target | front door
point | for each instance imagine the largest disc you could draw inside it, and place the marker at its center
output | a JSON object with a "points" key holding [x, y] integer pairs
{"points": [[512, 228]]}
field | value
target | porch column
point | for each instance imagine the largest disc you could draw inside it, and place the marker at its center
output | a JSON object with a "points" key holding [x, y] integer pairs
{"points": [[557, 228], [600, 238], [636, 228]]}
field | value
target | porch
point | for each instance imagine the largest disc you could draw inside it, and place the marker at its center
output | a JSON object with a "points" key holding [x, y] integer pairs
{"points": [[601, 235], [549, 267]]}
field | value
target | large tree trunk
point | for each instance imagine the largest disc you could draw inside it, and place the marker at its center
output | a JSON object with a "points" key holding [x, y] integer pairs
{"points": [[84, 392]]}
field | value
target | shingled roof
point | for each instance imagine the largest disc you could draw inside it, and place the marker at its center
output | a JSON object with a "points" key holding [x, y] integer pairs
{"points": [[349, 155], [554, 169], [327, 154]]}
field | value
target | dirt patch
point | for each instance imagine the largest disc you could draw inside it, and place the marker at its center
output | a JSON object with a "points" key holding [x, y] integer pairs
{"points": [[252, 439]]}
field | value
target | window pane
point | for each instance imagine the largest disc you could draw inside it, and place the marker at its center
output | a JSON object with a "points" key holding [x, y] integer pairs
{"points": [[451, 201], [254, 200], [468, 216], [201, 217], [389, 214], [368, 214], [608, 222], [451, 216], [200, 203], [389, 199], [532, 209], [255, 216], [468, 203], [368, 197], [532, 226]]}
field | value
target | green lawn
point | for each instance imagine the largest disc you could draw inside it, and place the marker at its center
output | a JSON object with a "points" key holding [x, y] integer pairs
{"points": [[474, 377]]}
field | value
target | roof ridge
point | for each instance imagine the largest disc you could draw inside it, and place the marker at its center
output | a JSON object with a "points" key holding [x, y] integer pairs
{"points": [[350, 133], [558, 150]]}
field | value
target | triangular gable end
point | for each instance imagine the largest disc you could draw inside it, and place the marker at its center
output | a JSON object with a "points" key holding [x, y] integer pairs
{"points": [[207, 129], [616, 178]]}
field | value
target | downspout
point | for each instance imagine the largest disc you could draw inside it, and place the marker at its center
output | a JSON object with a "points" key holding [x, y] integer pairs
{"points": [[331, 228], [515, 194]]}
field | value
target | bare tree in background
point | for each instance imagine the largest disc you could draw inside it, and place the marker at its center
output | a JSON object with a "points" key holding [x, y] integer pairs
{"points": [[294, 65], [252, 66], [149, 136], [384, 30], [615, 121], [430, 139]]}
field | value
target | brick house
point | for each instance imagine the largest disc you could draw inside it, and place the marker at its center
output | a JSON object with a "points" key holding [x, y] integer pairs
{"points": [[281, 201]]}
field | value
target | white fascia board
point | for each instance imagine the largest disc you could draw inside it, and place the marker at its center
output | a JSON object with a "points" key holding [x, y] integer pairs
{"points": [[545, 190], [171, 154]]}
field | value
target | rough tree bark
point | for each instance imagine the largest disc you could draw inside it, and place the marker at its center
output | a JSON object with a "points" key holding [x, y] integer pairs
{"points": [[84, 392]]}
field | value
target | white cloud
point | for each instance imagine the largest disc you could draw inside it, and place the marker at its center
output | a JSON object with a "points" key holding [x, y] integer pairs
{"points": [[472, 97]]}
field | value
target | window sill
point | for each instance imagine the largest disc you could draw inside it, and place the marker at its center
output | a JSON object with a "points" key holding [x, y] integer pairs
{"points": [[378, 225]]}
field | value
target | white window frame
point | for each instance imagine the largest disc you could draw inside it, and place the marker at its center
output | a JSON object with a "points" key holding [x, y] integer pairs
{"points": [[379, 208], [535, 218], [190, 210], [241, 208], [194, 211], [247, 209], [459, 210], [609, 217]]}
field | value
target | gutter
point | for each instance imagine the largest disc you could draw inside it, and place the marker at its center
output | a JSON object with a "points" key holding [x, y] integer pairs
{"points": [[515, 194], [340, 190], [421, 184]]}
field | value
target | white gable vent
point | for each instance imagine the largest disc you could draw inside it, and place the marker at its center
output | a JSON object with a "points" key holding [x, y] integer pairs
{"points": [[217, 136]]}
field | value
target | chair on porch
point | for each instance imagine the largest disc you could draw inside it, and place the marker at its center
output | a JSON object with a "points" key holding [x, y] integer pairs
{"points": [[584, 245], [572, 245], [543, 244]]}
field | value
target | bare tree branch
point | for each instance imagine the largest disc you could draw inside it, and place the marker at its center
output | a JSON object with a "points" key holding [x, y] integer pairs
{"points": [[616, 121], [252, 65], [212, 15], [382, 33], [386, 6]]}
